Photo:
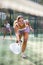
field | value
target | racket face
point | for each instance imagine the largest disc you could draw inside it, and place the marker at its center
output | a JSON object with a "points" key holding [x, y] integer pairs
{"points": [[15, 48]]}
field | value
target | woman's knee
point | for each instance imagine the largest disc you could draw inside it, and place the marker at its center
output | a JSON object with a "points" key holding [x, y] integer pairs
{"points": [[25, 40]]}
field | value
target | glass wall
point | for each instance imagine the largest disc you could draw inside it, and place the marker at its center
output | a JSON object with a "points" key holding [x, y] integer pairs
{"points": [[10, 15]]}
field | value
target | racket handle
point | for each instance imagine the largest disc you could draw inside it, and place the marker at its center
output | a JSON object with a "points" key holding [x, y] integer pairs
{"points": [[19, 41]]}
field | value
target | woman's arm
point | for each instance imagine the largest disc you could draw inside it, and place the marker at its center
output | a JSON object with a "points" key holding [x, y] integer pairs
{"points": [[17, 33], [31, 29], [28, 24], [16, 28]]}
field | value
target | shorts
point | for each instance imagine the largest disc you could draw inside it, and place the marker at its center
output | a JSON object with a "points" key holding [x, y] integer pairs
{"points": [[27, 29], [7, 29]]}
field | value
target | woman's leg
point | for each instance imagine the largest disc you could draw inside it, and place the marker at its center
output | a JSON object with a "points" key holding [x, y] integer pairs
{"points": [[4, 32], [25, 41], [20, 35]]}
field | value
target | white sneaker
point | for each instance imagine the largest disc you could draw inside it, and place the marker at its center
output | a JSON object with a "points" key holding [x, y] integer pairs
{"points": [[23, 55]]}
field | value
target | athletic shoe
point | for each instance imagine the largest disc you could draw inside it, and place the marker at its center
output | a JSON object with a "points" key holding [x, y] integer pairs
{"points": [[23, 55]]}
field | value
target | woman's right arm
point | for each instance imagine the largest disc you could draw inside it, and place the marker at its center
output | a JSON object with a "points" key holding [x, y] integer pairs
{"points": [[17, 33], [16, 28]]}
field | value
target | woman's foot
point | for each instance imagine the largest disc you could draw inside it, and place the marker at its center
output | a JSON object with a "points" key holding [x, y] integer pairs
{"points": [[23, 55]]}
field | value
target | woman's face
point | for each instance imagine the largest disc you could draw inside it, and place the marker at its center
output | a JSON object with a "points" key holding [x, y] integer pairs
{"points": [[20, 21]]}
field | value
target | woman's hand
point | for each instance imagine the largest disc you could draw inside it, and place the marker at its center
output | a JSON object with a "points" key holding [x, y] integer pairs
{"points": [[31, 29]]}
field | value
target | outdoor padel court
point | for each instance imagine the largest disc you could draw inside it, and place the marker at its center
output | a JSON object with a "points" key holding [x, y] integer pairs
{"points": [[34, 51]]}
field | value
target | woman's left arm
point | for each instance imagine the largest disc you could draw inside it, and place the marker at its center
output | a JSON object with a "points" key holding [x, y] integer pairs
{"points": [[28, 24], [31, 29]]}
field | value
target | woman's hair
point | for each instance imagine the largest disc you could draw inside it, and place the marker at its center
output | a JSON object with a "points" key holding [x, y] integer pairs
{"points": [[20, 16]]}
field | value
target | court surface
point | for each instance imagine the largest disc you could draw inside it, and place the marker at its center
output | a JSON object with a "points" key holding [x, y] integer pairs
{"points": [[34, 51]]}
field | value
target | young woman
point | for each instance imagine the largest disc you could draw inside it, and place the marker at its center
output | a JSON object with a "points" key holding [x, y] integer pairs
{"points": [[22, 28], [7, 28]]}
